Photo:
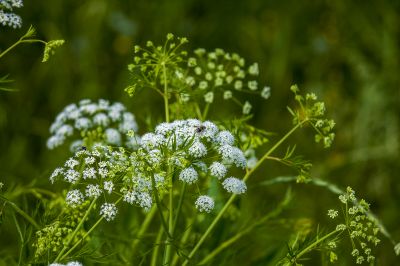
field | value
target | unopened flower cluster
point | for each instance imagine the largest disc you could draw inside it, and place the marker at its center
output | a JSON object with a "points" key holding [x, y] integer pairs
{"points": [[223, 73], [362, 227], [195, 150], [204, 75], [51, 238], [96, 122], [7, 17], [312, 111]]}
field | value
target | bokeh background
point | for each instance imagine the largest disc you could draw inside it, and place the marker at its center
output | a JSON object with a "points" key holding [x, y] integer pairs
{"points": [[346, 51]]}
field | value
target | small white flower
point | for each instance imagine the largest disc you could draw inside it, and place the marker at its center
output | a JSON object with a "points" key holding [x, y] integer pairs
{"points": [[234, 185], [103, 172], [225, 137], [93, 191], [204, 204], [89, 173], [108, 186], [197, 149], [74, 198], [90, 160], [83, 123], [108, 211], [65, 130], [55, 141], [57, 172], [72, 176], [112, 136], [188, 175], [71, 163], [101, 119], [218, 170], [231, 154]]}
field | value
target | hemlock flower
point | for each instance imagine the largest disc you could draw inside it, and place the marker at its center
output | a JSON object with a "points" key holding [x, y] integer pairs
{"points": [[74, 198], [99, 121], [234, 185], [194, 150], [108, 211], [218, 170], [204, 204], [188, 175]]}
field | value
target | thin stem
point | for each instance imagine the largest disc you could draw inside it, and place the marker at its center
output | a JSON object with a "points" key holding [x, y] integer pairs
{"points": [[179, 208], [156, 249], [78, 227], [19, 42], [166, 105], [311, 246], [205, 111], [184, 238], [247, 229], [87, 233], [144, 226], [158, 203], [233, 197], [168, 248], [83, 238], [21, 212]]}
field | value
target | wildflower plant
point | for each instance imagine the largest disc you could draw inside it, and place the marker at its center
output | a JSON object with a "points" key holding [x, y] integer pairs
{"points": [[187, 173]]}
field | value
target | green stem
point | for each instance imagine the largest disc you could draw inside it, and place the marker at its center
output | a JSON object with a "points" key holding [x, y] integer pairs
{"points": [[83, 238], [19, 42], [314, 244], [168, 248], [21, 212], [144, 226], [247, 230], [154, 256], [205, 111], [166, 104], [179, 208], [183, 241], [233, 197], [71, 238], [158, 205]]}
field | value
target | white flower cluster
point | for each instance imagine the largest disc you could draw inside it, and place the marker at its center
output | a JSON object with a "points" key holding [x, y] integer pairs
{"points": [[113, 119], [8, 18], [71, 263], [186, 146], [193, 149], [92, 173]]}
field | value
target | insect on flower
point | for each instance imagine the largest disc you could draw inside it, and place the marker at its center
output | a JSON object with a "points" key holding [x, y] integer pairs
{"points": [[200, 129]]}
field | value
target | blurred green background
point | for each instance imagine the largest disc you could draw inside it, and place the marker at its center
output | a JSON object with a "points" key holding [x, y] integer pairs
{"points": [[345, 51]]}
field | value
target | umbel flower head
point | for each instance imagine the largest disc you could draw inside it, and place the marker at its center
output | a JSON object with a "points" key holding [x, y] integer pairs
{"points": [[97, 122], [194, 150], [184, 151]]}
